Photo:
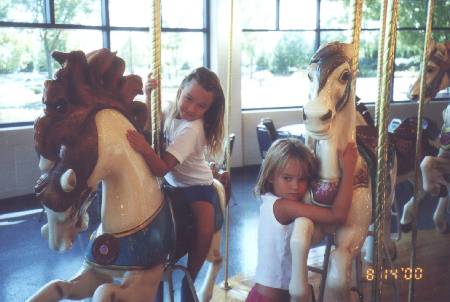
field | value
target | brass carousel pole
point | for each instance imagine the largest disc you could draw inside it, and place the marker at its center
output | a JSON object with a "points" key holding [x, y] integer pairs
{"points": [[380, 56], [428, 31], [155, 104], [226, 285], [384, 102], [355, 41]]}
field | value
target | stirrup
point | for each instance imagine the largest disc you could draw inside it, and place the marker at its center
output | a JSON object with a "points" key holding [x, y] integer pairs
{"points": [[168, 271]]}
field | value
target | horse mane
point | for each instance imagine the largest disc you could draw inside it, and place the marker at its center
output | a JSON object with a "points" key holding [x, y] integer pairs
{"points": [[328, 57], [96, 80]]}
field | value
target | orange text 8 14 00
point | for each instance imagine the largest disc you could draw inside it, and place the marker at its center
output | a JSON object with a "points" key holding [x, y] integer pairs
{"points": [[401, 273]]}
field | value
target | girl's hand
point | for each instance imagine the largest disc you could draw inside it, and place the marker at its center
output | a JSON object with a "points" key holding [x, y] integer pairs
{"points": [[137, 141], [150, 84], [349, 158]]}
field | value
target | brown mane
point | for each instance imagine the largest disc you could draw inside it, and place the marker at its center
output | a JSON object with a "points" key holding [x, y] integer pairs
{"points": [[66, 134]]}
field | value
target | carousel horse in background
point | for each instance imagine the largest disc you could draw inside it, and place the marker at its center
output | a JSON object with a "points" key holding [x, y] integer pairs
{"points": [[436, 175], [437, 77], [330, 117], [435, 169], [81, 140]]}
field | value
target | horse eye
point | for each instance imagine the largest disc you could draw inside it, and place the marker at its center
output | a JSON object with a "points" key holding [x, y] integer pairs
{"points": [[429, 69], [60, 105], [345, 76]]}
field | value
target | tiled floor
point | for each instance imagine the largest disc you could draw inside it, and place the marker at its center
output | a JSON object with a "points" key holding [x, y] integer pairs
{"points": [[26, 262]]}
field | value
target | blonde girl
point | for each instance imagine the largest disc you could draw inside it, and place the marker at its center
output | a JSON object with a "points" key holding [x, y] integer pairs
{"points": [[285, 176], [193, 128]]}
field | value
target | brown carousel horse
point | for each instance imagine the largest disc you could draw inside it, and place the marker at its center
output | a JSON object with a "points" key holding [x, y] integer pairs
{"points": [[436, 169], [81, 140]]}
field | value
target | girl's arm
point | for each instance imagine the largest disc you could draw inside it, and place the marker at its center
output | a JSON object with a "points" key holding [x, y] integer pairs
{"points": [[158, 166], [287, 211]]}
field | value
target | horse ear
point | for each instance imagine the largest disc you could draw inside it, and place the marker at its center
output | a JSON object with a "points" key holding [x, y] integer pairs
{"points": [[59, 56], [349, 50]]}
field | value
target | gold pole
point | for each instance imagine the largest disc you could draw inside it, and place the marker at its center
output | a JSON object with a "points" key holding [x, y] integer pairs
{"points": [[155, 106], [226, 285], [380, 56], [429, 29], [355, 41], [384, 104]]}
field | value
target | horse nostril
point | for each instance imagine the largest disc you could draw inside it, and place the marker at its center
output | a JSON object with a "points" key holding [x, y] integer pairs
{"points": [[326, 116]]}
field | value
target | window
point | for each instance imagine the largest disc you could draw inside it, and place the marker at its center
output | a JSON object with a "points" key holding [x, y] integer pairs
{"points": [[31, 29], [280, 36]]}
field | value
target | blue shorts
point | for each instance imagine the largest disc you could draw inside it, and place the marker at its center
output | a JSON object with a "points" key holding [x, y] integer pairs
{"points": [[186, 195], [198, 193]]}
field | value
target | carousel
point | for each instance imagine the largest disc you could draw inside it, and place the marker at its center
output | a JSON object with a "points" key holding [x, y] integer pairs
{"points": [[81, 141]]}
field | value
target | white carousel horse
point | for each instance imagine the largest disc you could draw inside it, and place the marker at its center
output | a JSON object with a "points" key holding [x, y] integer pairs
{"points": [[81, 140], [330, 118], [436, 175], [437, 77]]}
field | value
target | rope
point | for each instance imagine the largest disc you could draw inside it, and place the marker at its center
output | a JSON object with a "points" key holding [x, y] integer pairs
{"points": [[418, 143]]}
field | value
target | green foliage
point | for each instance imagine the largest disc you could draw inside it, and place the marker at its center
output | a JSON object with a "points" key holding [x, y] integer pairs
{"points": [[262, 63], [289, 54], [17, 50], [15, 55]]}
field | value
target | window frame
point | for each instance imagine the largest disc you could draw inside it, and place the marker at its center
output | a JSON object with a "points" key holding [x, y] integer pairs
{"points": [[318, 30], [106, 29]]}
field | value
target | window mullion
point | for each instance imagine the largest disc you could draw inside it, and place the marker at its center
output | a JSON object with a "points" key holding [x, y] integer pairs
{"points": [[49, 15], [106, 32], [277, 15]]}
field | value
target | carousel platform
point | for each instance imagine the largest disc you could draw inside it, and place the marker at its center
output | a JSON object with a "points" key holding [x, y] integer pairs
{"points": [[26, 262]]}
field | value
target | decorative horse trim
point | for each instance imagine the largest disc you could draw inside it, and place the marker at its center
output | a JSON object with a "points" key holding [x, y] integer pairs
{"points": [[324, 191], [140, 248]]}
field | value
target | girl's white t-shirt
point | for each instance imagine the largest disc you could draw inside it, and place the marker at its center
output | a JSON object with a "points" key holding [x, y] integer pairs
{"points": [[186, 141], [274, 253]]}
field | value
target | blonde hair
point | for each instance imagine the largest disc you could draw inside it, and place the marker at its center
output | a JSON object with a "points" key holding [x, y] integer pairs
{"points": [[279, 153], [214, 117]]}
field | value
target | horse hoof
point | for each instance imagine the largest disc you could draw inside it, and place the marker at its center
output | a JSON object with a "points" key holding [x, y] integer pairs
{"points": [[359, 293], [445, 230], [406, 228]]}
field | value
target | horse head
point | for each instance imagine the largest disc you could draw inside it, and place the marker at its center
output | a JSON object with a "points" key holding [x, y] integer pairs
{"points": [[66, 135], [437, 72], [330, 91]]}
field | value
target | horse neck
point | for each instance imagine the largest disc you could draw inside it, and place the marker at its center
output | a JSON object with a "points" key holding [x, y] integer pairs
{"points": [[342, 132], [131, 194]]}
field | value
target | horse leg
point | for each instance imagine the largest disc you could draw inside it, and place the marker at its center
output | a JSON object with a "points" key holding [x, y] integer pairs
{"points": [[137, 286], [79, 287], [300, 244], [214, 258], [410, 210], [439, 215], [349, 239]]}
